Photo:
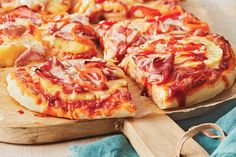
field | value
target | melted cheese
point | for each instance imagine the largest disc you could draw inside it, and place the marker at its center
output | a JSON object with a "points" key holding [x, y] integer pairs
{"points": [[57, 6], [70, 72], [139, 25], [85, 6], [51, 88], [70, 46], [112, 6]]}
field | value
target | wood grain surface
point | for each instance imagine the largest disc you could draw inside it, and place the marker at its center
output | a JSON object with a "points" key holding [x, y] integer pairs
{"points": [[158, 135]]}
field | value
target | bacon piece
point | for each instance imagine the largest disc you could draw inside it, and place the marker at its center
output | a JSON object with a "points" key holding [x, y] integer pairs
{"points": [[28, 56], [25, 12], [91, 78], [122, 38], [83, 30]]}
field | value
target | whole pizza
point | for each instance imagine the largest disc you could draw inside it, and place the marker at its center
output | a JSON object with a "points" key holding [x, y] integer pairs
{"points": [[70, 57]]}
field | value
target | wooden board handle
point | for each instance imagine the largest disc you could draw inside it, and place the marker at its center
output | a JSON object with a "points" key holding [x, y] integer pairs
{"points": [[195, 130], [158, 135]]}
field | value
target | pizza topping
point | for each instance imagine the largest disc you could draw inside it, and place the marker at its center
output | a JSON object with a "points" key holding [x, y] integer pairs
{"points": [[91, 86], [191, 23], [20, 112], [34, 5], [169, 16], [13, 31], [143, 11], [120, 38], [55, 18], [180, 62], [25, 12], [99, 1], [83, 31], [67, 38], [117, 37], [109, 74], [90, 76], [158, 68], [91, 107], [28, 56], [104, 26], [102, 10]]}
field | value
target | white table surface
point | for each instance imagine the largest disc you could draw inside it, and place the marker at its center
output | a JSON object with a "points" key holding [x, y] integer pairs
{"points": [[47, 150]]}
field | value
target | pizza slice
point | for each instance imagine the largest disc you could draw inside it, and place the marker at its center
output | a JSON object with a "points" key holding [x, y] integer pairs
{"points": [[42, 6], [17, 42], [75, 89], [116, 37], [27, 37], [181, 70], [68, 36]]}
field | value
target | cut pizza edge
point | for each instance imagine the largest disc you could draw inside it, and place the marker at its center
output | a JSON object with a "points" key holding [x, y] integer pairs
{"points": [[22, 95], [161, 96]]}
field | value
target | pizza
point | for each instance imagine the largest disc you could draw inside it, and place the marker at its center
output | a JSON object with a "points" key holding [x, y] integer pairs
{"points": [[116, 10], [28, 37], [116, 37], [97, 10], [44, 6], [181, 70], [53, 45], [16, 40], [67, 36], [152, 9], [76, 89]]}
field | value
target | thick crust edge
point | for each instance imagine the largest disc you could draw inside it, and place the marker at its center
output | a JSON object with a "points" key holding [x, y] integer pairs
{"points": [[28, 100], [199, 94]]}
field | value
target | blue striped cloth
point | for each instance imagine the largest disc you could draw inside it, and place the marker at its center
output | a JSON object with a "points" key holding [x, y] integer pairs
{"points": [[119, 146]]}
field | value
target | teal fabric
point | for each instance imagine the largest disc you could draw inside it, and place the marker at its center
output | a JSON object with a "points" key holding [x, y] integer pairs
{"points": [[119, 146], [113, 146], [224, 115], [227, 148]]}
